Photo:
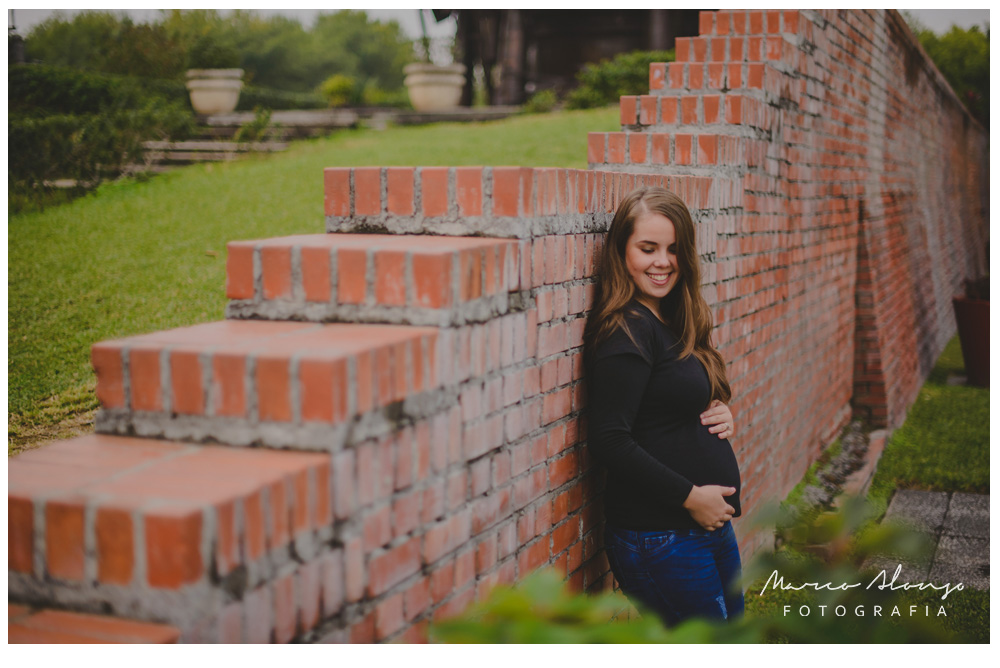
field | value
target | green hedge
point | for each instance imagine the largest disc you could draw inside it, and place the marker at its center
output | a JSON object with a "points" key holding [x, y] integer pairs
{"points": [[70, 124], [604, 83], [45, 89], [86, 147], [253, 97], [49, 89]]}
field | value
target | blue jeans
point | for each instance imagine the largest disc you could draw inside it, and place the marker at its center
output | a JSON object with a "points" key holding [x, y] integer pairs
{"points": [[678, 573]]}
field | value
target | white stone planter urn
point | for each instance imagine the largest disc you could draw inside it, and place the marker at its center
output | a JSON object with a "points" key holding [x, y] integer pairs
{"points": [[434, 87], [214, 91]]}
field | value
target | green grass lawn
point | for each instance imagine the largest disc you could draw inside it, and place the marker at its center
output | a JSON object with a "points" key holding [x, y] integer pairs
{"points": [[944, 443], [137, 257]]}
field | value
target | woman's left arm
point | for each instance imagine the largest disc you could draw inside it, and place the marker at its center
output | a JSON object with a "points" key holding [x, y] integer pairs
{"points": [[720, 419]]}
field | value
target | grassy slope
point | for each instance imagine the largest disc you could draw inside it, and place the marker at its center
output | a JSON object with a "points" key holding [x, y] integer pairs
{"points": [[138, 257]]}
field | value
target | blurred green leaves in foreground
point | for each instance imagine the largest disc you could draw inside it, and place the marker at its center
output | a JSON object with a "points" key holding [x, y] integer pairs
{"points": [[833, 559], [541, 609]]}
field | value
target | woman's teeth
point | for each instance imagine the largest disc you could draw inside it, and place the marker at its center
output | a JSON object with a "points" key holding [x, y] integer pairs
{"points": [[659, 279]]}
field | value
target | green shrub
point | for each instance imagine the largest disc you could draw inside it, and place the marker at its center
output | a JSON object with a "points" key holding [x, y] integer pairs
{"points": [[48, 89], [170, 89], [604, 83], [257, 129], [541, 102], [373, 96], [340, 90]]}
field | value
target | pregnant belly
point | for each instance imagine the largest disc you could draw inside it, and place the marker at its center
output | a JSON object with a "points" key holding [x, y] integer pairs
{"points": [[703, 458]]}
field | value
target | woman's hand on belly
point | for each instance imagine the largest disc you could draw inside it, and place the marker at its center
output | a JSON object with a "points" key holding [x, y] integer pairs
{"points": [[719, 419], [708, 507]]}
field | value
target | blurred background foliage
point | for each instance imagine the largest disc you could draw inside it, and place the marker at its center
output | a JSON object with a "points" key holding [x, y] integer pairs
{"points": [[275, 51], [97, 85], [280, 54]]}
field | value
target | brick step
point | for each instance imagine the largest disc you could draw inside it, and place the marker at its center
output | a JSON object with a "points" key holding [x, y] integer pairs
{"points": [[735, 113], [753, 79], [245, 382], [523, 203], [457, 201], [161, 531], [735, 49], [612, 150], [42, 626], [750, 22], [404, 279]]}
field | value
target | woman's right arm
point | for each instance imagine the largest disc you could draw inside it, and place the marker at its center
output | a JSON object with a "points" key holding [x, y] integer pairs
{"points": [[616, 384]]}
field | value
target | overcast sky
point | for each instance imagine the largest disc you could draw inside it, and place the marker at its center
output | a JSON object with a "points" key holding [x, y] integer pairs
{"points": [[938, 20]]}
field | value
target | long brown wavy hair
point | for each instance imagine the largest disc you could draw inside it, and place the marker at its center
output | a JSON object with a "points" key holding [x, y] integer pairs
{"points": [[684, 309]]}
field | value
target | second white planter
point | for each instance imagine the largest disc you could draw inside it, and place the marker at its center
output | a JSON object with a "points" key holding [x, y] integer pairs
{"points": [[434, 87]]}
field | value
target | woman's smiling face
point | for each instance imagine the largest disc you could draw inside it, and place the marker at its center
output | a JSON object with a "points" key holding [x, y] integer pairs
{"points": [[650, 258]]}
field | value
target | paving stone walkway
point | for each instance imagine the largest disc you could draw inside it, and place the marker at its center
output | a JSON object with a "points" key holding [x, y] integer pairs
{"points": [[959, 525]]}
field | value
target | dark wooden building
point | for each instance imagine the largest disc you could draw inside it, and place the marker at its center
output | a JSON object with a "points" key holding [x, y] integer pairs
{"points": [[523, 51]]}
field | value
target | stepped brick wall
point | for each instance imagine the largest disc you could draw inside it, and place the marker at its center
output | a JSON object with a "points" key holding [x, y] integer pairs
{"points": [[390, 421]]}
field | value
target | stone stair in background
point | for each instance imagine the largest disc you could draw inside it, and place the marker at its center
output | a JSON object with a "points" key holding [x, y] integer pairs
{"points": [[215, 136], [161, 156]]}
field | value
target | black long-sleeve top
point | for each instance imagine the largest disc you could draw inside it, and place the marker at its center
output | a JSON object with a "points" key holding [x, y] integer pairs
{"points": [[644, 424]]}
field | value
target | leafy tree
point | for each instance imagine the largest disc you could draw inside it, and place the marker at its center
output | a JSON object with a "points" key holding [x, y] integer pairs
{"points": [[106, 42], [963, 56], [207, 38], [369, 51], [274, 51]]}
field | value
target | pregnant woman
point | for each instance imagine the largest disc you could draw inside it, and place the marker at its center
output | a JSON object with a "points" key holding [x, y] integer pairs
{"points": [[658, 419]]}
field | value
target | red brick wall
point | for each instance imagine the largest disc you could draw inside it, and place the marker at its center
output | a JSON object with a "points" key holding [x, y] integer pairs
{"points": [[860, 204], [840, 191]]}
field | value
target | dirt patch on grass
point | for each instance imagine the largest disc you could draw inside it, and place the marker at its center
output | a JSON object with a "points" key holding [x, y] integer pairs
{"points": [[60, 417]]}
